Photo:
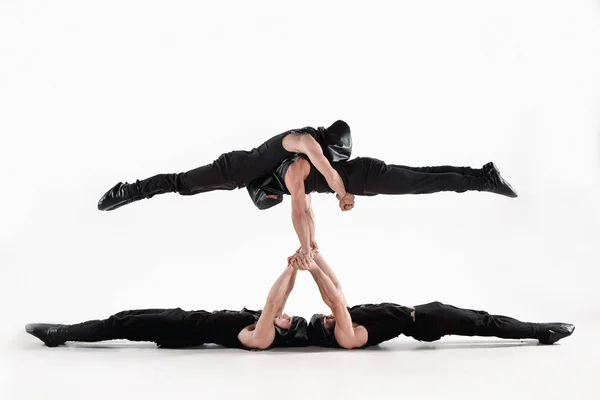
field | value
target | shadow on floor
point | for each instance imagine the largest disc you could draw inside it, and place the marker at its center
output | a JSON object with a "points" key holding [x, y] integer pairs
{"points": [[389, 347]]}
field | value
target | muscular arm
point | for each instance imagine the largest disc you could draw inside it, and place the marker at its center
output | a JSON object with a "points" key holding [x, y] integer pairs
{"points": [[288, 291], [314, 152], [344, 331], [327, 270], [308, 145], [310, 217], [294, 180], [263, 334]]}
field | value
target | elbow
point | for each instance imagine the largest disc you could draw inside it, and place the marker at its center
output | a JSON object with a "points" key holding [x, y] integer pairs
{"points": [[263, 344]]}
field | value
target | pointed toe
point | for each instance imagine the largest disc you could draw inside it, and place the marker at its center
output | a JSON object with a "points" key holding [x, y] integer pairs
{"points": [[496, 183], [119, 195], [556, 331]]}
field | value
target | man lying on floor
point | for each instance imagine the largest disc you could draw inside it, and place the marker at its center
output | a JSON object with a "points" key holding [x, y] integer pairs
{"points": [[176, 328], [370, 324]]}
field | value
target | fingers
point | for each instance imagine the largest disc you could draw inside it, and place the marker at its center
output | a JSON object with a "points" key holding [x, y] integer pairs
{"points": [[294, 262], [304, 261], [300, 261], [346, 202]]}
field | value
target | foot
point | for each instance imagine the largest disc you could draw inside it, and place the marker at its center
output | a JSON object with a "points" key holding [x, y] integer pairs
{"points": [[556, 331], [118, 196], [495, 183], [50, 334], [488, 167]]}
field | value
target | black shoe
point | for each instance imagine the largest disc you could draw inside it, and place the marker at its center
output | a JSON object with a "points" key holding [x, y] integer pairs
{"points": [[50, 334], [119, 195], [495, 183], [488, 167], [556, 331]]}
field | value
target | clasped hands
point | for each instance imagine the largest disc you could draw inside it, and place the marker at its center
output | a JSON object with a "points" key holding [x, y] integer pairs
{"points": [[301, 260], [346, 202]]}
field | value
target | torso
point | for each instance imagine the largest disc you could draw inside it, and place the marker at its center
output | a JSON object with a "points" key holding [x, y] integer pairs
{"points": [[383, 321], [336, 146], [223, 327]]}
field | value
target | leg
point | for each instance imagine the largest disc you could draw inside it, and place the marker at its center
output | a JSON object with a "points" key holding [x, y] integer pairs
{"points": [[229, 171], [370, 176], [434, 320], [445, 169], [155, 325], [137, 325]]}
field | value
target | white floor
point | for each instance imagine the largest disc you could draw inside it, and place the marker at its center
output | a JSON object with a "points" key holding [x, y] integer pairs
{"points": [[461, 368]]}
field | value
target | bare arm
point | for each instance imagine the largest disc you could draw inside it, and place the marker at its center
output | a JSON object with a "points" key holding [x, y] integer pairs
{"points": [[288, 291], [314, 152], [294, 180], [327, 270], [344, 331], [306, 144], [329, 293], [310, 218], [263, 334]]}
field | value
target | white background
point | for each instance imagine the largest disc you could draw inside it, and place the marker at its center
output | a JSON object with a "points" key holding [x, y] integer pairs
{"points": [[92, 93]]}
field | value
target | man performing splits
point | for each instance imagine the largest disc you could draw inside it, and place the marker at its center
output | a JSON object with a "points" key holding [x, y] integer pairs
{"points": [[370, 324], [175, 328]]}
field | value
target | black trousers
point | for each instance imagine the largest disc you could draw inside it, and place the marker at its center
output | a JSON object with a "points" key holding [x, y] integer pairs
{"points": [[366, 176], [232, 170], [434, 320], [172, 328]]}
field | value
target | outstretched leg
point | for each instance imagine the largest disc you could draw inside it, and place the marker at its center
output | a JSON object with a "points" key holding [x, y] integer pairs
{"points": [[232, 170], [443, 169], [434, 320], [153, 325], [370, 176]]}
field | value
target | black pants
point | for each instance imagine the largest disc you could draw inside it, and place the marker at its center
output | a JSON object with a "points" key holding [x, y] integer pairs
{"points": [[166, 327], [434, 320], [232, 170], [367, 176]]}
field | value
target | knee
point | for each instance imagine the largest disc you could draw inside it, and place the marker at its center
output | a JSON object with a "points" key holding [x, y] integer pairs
{"points": [[115, 321]]}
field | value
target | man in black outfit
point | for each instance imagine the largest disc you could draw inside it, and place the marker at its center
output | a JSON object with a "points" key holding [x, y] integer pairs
{"points": [[176, 328], [236, 169], [370, 324]]}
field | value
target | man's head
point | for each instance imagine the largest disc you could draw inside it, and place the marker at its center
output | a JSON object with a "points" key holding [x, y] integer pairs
{"points": [[283, 321], [290, 331], [321, 331], [337, 140]]}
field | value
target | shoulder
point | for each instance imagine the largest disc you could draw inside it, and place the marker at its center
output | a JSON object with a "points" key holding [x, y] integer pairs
{"points": [[357, 340], [249, 340], [298, 169]]}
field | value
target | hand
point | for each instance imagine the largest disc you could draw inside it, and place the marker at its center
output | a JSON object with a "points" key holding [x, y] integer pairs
{"points": [[346, 202], [300, 261], [314, 248]]}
